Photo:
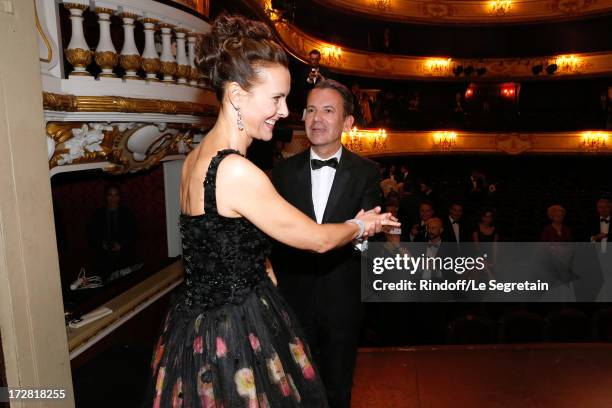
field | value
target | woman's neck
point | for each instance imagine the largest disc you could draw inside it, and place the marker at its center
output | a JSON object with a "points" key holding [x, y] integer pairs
{"points": [[226, 135]]}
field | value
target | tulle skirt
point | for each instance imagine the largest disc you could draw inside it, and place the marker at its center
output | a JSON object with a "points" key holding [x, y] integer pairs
{"points": [[251, 354]]}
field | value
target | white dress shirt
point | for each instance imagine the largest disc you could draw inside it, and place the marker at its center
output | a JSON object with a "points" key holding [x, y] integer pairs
{"points": [[321, 182], [432, 252], [455, 228]]}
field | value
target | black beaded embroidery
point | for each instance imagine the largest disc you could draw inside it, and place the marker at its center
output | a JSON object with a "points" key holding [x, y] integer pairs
{"points": [[224, 258]]}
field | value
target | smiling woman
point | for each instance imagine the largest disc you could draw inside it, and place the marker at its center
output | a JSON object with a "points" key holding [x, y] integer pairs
{"points": [[228, 323]]}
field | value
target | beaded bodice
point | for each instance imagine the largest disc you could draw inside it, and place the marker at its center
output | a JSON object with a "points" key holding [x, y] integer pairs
{"points": [[224, 258]]}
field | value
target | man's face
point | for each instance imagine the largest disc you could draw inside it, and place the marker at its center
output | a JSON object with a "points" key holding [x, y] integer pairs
{"points": [[455, 211], [325, 119], [434, 228], [112, 198], [603, 208], [426, 212], [314, 59]]}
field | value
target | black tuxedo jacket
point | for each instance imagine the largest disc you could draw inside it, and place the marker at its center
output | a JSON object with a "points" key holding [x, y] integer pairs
{"points": [[594, 229], [448, 235], [446, 249], [325, 284]]}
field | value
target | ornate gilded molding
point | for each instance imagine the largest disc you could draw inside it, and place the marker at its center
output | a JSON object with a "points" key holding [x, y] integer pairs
{"points": [[424, 143], [72, 103], [79, 58], [128, 147], [357, 62], [107, 60], [471, 11]]}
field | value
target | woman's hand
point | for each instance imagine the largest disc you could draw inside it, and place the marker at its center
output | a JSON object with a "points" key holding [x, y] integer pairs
{"points": [[375, 221]]}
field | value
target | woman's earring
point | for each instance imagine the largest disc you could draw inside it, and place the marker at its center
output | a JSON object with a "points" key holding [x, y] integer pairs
{"points": [[239, 121]]}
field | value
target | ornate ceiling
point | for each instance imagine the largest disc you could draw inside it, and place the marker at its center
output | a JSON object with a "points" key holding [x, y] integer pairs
{"points": [[471, 12]]}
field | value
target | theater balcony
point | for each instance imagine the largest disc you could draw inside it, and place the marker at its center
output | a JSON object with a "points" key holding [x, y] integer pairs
{"points": [[123, 104]]}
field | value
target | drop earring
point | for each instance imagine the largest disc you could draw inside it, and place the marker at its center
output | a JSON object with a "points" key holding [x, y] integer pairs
{"points": [[239, 121]]}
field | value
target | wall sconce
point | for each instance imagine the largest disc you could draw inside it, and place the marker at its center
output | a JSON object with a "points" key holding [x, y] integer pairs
{"points": [[499, 7], [568, 63], [445, 140], [365, 140], [594, 141], [381, 4], [437, 66], [332, 54]]}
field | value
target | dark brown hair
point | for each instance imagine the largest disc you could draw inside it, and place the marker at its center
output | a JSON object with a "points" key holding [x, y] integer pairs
{"points": [[347, 96], [234, 49]]}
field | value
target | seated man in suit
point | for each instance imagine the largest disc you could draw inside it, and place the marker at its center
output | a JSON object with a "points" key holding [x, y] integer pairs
{"points": [[418, 232], [600, 227], [436, 247], [455, 228]]}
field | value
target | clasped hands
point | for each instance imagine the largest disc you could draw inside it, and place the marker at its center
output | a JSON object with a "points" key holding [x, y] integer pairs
{"points": [[375, 221]]}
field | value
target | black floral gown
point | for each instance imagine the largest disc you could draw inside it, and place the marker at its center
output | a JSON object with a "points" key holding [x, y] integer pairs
{"points": [[229, 339]]}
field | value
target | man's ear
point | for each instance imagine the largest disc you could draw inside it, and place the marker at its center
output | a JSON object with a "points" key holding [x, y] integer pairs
{"points": [[348, 123]]}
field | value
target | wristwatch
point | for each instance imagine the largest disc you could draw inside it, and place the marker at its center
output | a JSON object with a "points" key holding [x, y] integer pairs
{"points": [[361, 226]]}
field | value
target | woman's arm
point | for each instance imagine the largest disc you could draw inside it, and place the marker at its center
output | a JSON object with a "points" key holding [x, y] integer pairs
{"points": [[244, 190], [270, 272]]}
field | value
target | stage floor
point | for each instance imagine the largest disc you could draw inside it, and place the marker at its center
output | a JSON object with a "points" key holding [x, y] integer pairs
{"points": [[495, 376]]}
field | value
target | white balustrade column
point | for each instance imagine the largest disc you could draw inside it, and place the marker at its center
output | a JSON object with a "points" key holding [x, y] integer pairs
{"points": [[193, 71], [106, 54], [184, 68], [168, 63], [150, 58], [78, 52], [130, 57]]}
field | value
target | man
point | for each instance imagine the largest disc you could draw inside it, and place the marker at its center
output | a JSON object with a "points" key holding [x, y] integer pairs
{"points": [[330, 184], [455, 230], [316, 73], [418, 232], [436, 247], [112, 234], [600, 227], [407, 179]]}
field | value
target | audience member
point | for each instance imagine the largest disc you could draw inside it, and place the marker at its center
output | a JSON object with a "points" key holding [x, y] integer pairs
{"points": [[112, 234], [556, 231], [418, 230], [455, 229]]}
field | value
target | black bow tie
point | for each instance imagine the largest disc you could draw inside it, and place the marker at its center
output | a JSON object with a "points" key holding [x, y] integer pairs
{"points": [[317, 164], [433, 245], [604, 220], [455, 222]]}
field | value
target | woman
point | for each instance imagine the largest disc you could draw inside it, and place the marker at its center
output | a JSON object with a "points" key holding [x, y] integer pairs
{"points": [[486, 238], [556, 231], [229, 339]]}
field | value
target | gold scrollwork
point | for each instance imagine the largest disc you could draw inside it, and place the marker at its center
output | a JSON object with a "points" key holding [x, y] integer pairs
{"points": [[62, 132], [164, 145], [71, 103], [113, 145]]}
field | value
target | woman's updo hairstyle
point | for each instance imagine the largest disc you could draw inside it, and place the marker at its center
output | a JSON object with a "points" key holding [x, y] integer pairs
{"points": [[234, 49]]}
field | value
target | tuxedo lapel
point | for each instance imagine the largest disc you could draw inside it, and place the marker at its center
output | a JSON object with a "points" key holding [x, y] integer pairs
{"points": [[303, 186], [341, 179]]}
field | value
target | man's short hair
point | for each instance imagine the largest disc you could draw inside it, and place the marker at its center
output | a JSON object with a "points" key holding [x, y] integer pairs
{"points": [[315, 52], [345, 93]]}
